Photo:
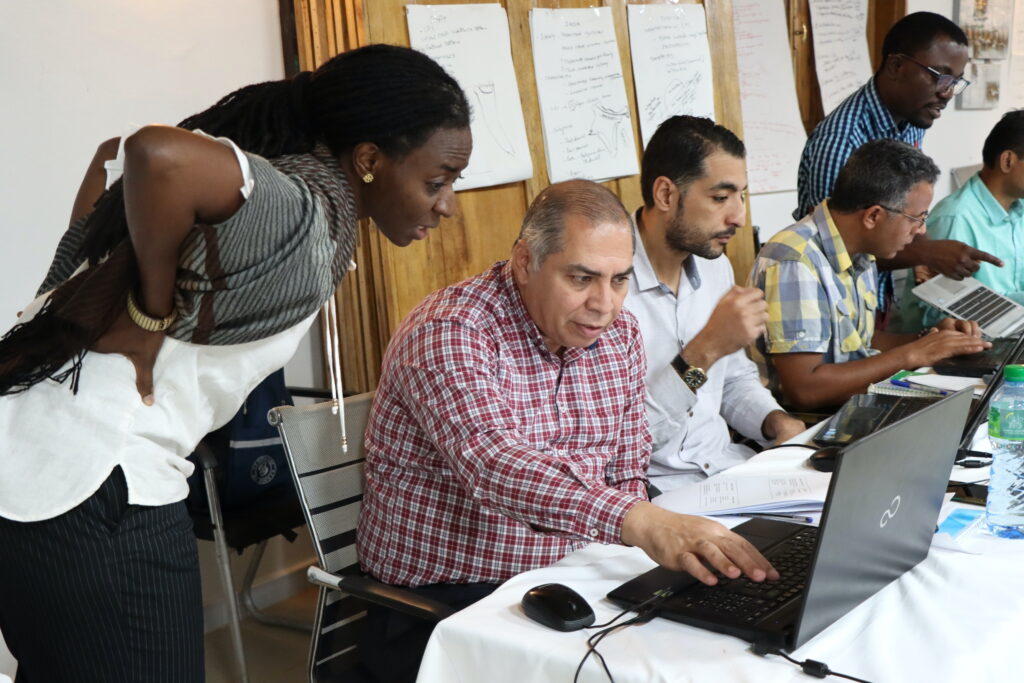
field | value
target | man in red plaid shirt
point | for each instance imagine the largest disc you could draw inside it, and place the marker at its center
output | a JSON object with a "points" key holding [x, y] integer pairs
{"points": [[509, 430]]}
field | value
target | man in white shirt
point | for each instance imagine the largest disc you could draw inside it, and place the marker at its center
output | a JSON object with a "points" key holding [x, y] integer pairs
{"points": [[696, 323]]}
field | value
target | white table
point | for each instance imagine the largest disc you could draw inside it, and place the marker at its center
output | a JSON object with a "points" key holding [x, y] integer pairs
{"points": [[954, 617]]}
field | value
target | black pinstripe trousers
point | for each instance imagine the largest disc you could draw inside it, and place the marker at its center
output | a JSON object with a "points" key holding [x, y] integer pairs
{"points": [[105, 593]]}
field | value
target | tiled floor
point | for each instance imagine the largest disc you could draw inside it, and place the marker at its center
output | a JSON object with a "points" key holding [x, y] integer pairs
{"points": [[273, 654]]}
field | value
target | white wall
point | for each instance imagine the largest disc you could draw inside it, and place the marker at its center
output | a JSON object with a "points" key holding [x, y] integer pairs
{"points": [[76, 72]]}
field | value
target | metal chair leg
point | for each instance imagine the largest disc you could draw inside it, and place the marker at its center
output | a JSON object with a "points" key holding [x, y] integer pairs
{"points": [[250, 603], [223, 563]]}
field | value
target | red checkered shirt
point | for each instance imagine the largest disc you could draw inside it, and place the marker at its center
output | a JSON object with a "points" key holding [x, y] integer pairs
{"points": [[488, 455]]}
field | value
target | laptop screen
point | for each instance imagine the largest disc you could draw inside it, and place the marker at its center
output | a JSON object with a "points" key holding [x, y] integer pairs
{"points": [[881, 509]]}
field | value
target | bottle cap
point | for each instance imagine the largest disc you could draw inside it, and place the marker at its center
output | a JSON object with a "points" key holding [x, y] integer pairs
{"points": [[1013, 373]]}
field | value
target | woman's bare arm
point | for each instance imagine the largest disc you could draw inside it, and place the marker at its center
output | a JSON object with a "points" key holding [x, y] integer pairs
{"points": [[172, 180], [95, 180]]}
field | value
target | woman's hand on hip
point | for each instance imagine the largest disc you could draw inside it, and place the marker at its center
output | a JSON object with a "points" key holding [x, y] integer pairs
{"points": [[138, 345]]}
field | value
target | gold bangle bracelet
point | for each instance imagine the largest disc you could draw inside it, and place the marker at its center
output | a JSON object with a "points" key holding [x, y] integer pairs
{"points": [[146, 322]]}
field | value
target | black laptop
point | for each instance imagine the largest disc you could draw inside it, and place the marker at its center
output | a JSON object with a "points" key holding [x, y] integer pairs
{"points": [[865, 414], [981, 363], [878, 522]]}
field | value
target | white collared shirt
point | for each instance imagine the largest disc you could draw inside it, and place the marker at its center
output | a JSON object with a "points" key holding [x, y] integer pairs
{"points": [[690, 431]]}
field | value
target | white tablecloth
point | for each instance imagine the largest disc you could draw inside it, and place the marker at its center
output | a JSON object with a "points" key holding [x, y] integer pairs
{"points": [[954, 617]]}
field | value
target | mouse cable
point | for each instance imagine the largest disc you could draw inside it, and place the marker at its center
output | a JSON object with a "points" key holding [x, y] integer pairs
{"points": [[596, 638], [646, 611], [810, 667]]}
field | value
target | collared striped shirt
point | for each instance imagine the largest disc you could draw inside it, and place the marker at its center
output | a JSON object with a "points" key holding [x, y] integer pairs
{"points": [[860, 118], [820, 298], [690, 431], [486, 453]]}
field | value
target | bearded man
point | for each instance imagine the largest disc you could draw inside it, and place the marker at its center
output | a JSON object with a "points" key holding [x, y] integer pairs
{"points": [[696, 323]]}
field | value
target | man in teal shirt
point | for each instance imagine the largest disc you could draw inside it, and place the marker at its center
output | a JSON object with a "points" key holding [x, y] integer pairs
{"points": [[987, 213]]}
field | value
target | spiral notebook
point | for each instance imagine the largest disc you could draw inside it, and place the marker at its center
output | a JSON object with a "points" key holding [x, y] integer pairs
{"points": [[898, 385]]}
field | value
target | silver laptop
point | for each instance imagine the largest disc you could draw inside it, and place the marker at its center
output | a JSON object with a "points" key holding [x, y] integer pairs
{"points": [[968, 299]]}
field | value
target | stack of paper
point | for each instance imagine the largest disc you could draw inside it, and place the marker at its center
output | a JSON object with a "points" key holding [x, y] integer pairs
{"points": [[906, 383], [773, 481], [946, 384]]}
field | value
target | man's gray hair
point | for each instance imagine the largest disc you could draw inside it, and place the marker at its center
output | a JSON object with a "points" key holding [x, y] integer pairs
{"points": [[543, 230], [881, 172]]}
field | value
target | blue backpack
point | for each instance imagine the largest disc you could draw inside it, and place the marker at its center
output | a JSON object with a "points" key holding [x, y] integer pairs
{"points": [[249, 451]]}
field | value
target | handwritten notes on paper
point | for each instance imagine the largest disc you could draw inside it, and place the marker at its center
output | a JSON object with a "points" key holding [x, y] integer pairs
{"points": [[671, 63], [839, 28], [472, 43], [772, 129], [588, 132]]}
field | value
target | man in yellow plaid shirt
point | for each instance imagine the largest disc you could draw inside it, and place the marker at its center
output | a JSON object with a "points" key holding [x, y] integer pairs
{"points": [[820, 281]]}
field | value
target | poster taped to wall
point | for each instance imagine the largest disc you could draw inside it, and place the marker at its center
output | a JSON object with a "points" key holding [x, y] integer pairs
{"points": [[772, 129], [588, 130], [839, 30], [671, 63], [472, 43]]}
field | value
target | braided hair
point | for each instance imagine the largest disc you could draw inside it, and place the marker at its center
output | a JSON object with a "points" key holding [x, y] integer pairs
{"points": [[394, 97]]}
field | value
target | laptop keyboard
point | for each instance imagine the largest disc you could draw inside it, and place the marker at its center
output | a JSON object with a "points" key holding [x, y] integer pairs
{"points": [[982, 306], [748, 601]]}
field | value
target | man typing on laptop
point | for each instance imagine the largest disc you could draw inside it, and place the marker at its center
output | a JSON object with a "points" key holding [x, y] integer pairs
{"points": [[819, 279], [508, 428]]}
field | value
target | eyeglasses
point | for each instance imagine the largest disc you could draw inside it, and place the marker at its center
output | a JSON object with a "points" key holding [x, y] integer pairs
{"points": [[943, 81], [920, 220]]}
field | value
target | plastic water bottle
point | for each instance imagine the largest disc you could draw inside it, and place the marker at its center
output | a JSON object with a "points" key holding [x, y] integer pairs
{"points": [[1005, 508]]}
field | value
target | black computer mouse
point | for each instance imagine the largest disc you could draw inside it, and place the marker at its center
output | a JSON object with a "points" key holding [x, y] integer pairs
{"points": [[824, 459], [558, 607]]}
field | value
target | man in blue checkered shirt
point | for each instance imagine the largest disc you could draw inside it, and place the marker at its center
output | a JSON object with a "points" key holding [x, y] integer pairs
{"points": [[923, 60]]}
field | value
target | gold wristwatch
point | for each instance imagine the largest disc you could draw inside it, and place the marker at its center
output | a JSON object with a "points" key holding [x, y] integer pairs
{"points": [[691, 376]]}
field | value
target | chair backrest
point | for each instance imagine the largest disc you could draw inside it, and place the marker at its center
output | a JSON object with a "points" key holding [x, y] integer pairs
{"points": [[962, 174], [330, 487], [329, 482]]}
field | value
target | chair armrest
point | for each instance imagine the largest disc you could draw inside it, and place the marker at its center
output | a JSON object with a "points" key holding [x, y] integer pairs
{"points": [[378, 593]]}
